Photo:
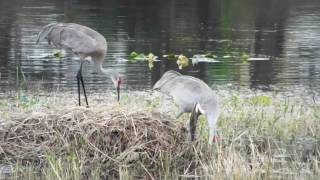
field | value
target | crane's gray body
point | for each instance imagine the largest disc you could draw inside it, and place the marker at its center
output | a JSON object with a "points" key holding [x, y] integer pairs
{"points": [[188, 92], [77, 38], [82, 41]]}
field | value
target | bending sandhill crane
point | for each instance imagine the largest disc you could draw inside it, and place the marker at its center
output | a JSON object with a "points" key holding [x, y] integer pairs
{"points": [[191, 95], [84, 42]]}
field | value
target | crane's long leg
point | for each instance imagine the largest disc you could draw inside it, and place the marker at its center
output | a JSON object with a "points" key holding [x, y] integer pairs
{"points": [[84, 91], [78, 80], [79, 77], [193, 122]]}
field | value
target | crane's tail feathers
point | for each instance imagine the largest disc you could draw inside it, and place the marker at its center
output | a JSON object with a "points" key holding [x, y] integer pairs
{"points": [[199, 109]]}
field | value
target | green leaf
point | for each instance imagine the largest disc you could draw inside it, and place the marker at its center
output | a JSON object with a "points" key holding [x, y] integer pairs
{"points": [[260, 100], [58, 55], [171, 56], [245, 57], [133, 55], [210, 55]]}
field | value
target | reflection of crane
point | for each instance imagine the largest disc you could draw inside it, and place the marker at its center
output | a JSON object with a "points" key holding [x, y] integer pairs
{"points": [[191, 95], [84, 42]]}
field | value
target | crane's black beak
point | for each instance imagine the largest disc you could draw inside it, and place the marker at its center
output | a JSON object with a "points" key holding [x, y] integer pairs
{"points": [[118, 93]]}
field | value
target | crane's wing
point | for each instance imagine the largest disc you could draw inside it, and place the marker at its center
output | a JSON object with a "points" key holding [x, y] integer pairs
{"points": [[90, 32], [166, 77], [69, 36], [185, 90], [45, 31]]}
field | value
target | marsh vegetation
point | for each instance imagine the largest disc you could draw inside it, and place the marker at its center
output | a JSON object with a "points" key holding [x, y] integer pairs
{"points": [[261, 135]]}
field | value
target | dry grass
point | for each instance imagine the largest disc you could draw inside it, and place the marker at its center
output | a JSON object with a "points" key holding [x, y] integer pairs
{"points": [[262, 135], [108, 137]]}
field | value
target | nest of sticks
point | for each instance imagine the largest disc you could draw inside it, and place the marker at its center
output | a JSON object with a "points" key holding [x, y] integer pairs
{"points": [[108, 137]]}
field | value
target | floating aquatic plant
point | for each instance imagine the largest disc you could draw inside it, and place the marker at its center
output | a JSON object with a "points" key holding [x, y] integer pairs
{"points": [[210, 55], [182, 61], [170, 56], [202, 58], [134, 57], [58, 54], [151, 57], [244, 57]]}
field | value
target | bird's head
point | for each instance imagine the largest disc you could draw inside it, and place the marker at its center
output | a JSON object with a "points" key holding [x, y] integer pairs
{"points": [[115, 77], [117, 81]]}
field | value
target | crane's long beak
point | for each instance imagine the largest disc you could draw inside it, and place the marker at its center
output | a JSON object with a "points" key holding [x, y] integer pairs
{"points": [[118, 93]]}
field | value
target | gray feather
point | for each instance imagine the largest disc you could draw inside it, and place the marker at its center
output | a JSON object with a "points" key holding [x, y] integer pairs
{"points": [[189, 92], [185, 90], [77, 38]]}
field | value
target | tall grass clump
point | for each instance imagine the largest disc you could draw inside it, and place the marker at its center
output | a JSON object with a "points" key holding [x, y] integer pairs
{"points": [[262, 135]]}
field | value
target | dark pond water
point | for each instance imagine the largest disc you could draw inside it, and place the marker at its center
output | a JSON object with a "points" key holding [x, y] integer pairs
{"points": [[286, 33]]}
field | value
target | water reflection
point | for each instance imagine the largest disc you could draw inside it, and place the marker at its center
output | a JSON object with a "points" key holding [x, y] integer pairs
{"points": [[287, 31]]}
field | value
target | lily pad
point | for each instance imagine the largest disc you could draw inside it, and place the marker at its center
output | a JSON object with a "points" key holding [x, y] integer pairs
{"points": [[170, 56], [58, 54], [210, 55], [134, 57], [201, 58]]}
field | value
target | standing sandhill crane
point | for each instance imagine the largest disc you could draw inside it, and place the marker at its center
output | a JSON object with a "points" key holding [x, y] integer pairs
{"points": [[84, 42], [191, 95]]}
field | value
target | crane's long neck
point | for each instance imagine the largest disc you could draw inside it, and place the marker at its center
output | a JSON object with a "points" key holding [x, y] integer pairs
{"points": [[112, 74], [212, 118]]}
